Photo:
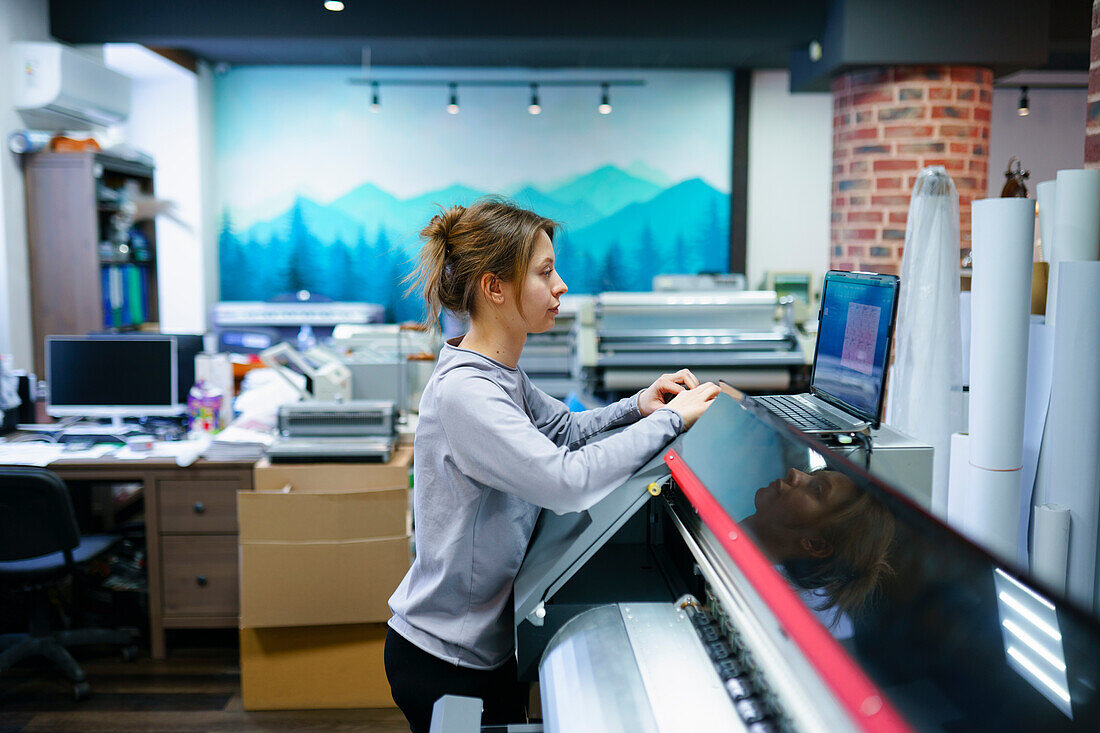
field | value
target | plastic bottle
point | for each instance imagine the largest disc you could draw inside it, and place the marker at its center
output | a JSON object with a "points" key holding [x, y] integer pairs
{"points": [[204, 403]]}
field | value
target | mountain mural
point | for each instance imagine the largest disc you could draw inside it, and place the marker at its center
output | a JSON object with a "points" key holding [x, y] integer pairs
{"points": [[618, 231]]}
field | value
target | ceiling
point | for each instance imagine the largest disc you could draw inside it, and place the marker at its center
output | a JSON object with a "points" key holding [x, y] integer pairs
{"points": [[563, 34]]}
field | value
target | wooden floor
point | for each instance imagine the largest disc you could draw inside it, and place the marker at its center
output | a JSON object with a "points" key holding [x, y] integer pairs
{"points": [[193, 690]]}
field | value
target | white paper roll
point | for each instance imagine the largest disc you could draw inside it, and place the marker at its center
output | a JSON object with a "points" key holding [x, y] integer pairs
{"points": [[1050, 545], [1003, 230], [1072, 443], [1076, 226], [993, 509], [1046, 196], [958, 480]]}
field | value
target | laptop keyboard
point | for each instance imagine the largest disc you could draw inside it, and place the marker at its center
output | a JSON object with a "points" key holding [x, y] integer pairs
{"points": [[797, 414]]}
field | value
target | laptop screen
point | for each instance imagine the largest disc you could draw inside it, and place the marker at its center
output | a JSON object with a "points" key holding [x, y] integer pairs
{"points": [[853, 340]]}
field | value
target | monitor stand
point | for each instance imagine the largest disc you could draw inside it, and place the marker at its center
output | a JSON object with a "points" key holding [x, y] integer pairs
{"points": [[115, 429]]}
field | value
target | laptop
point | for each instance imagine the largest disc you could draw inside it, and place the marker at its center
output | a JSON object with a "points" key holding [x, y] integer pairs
{"points": [[856, 328]]}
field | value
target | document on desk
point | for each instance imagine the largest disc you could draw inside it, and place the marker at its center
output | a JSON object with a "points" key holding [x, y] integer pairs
{"points": [[185, 452], [43, 454]]}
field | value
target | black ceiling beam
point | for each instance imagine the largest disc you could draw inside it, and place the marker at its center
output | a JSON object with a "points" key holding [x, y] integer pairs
{"points": [[1005, 35], [566, 33]]}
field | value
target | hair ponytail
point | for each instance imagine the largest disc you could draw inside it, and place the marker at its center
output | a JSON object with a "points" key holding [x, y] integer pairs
{"points": [[431, 275]]}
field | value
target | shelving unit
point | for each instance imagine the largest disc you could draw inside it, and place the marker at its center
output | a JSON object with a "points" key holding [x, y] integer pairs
{"points": [[77, 287]]}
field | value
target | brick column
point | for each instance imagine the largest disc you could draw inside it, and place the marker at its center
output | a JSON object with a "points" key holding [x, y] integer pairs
{"points": [[1092, 122], [888, 124]]}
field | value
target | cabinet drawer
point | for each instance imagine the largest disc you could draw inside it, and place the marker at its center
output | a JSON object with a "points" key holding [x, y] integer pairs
{"points": [[198, 506], [200, 575]]}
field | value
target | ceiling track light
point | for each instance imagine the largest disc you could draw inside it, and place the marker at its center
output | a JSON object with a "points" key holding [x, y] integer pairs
{"points": [[605, 100], [334, 5], [534, 108], [452, 106], [375, 104], [1023, 110]]}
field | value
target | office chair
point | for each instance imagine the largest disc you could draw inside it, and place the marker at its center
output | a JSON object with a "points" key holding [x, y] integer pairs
{"points": [[40, 546]]}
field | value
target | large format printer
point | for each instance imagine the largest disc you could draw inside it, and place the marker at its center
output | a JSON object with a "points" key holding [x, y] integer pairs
{"points": [[676, 604], [745, 338]]}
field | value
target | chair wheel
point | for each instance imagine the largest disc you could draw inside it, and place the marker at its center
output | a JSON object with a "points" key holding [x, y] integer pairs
{"points": [[129, 653], [81, 690]]}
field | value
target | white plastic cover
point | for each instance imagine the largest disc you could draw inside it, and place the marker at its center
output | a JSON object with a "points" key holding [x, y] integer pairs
{"points": [[925, 393]]}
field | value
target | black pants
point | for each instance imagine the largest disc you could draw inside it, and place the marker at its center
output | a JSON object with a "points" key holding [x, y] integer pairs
{"points": [[418, 679]]}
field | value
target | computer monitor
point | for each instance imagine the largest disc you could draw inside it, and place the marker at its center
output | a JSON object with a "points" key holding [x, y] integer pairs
{"points": [[113, 376]]}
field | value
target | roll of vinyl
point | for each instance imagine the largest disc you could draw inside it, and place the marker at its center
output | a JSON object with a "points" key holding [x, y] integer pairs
{"points": [[958, 479], [1050, 545], [1000, 318], [1072, 442], [1003, 233], [1046, 195], [1076, 226], [992, 510]]}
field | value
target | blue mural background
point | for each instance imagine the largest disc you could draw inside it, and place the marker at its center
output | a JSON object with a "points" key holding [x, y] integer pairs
{"points": [[318, 193]]}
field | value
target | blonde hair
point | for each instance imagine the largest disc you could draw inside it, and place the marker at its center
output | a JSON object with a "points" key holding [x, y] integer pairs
{"points": [[463, 244]]}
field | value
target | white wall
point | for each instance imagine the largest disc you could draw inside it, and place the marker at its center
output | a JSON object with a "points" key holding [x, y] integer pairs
{"points": [[1050, 138], [208, 177], [20, 20], [165, 122], [790, 177]]}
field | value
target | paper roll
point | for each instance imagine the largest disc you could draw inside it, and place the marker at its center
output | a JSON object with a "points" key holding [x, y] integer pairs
{"points": [[958, 480], [1072, 442], [992, 509], [1000, 316], [1046, 195], [1050, 545], [1076, 226]]}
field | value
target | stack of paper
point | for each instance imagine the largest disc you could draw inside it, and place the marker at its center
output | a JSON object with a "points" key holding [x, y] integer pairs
{"points": [[239, 442]]}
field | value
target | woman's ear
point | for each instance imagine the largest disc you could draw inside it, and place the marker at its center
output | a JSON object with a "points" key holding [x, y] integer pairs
{"points": [[491, 288], [816, 547]]}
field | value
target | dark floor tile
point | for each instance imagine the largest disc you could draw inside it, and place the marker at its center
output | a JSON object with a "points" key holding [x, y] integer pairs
{"points": [[14, 722], [113, 701]]}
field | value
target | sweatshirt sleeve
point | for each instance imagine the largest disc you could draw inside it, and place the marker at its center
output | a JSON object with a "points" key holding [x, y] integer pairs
{"points": [[572, 429], [495, 443]]}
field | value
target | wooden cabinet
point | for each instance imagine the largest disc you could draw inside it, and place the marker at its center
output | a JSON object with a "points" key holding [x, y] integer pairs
{"points": [[77, 286], [200, 575], [190, 537]]}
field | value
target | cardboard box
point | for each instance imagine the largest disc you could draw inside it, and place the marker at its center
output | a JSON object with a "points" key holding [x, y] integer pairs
{"points": [[315, 583], [314, 667], [309, 559], [267, 476], [295, 516]]}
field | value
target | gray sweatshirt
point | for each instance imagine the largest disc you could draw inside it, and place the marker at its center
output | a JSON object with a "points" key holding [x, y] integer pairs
{"points": [[491, 450]]}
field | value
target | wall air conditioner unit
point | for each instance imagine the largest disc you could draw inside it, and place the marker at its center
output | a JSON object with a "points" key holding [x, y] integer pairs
{"points": [[58, 88]]}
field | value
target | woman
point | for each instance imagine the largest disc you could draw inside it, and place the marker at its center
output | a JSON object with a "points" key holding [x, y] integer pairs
{"points": [[491, 451]]}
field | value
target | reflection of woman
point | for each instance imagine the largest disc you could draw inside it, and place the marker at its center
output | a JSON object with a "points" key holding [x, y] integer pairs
{"points": [[828, 536]]}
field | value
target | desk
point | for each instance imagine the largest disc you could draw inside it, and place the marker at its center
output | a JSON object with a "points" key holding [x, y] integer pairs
{"points": [[190, 536]]}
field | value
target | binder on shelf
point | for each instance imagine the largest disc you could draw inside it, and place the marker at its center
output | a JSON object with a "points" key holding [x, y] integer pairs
{"points": [[134, 296], [113, 297]]}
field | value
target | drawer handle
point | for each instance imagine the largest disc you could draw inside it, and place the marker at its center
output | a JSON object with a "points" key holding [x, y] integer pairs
{"points": [[201, 580], [199, 507]]}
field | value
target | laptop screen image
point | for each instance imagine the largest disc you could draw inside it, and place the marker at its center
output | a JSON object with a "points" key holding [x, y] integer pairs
{"points": [[853, 342]]}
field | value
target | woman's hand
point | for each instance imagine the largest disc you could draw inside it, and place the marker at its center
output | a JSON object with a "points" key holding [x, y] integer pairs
{"points": [[692, 403], [664, 389]]}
